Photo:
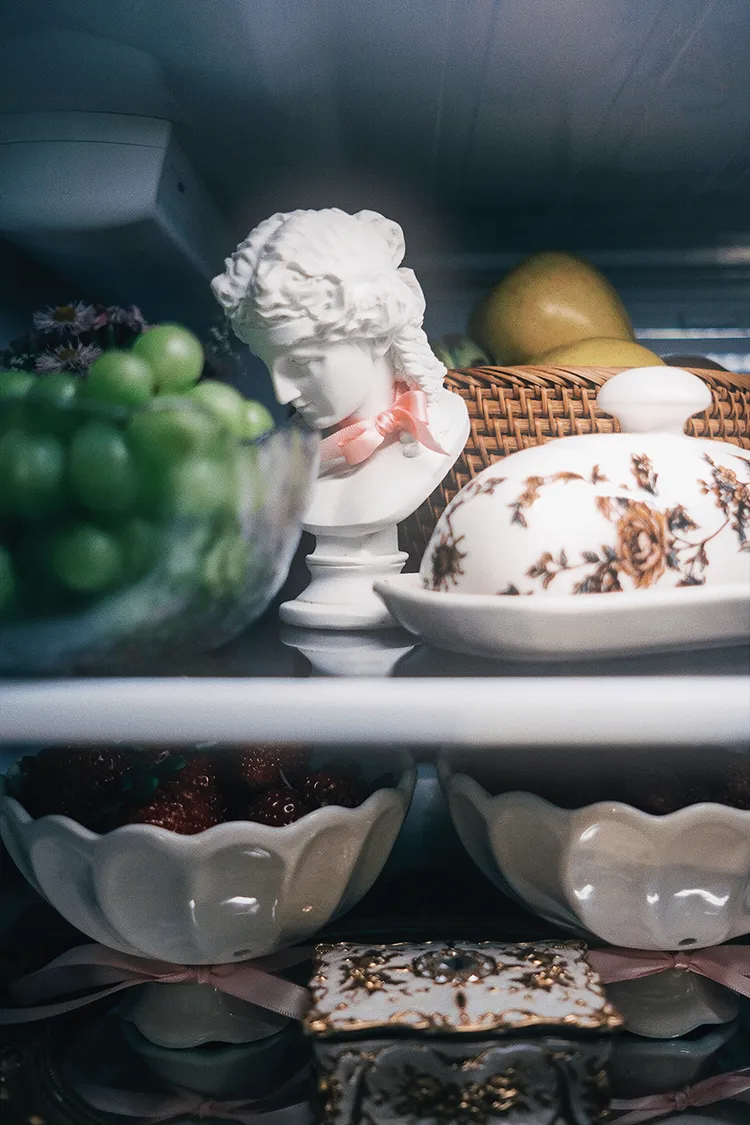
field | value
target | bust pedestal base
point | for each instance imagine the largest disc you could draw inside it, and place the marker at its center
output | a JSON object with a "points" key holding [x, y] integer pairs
{"points": [[349, 653], [342, 571]]}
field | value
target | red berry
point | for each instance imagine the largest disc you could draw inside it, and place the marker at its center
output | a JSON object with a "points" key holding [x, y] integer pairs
{"points": [[277, 807], [332, 787], [79, 782], [186, 800], [259, 767], [198, 776], [177, 814]]}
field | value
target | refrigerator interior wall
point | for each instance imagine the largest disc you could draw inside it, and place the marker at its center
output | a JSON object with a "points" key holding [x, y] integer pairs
{"points": [[488, 128]]}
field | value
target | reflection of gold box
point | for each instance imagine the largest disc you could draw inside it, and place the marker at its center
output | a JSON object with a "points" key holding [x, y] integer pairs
{"points": [[468, 1032]]}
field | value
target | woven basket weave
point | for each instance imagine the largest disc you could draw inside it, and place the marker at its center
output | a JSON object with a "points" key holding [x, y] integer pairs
{"points": [[512, 408]]}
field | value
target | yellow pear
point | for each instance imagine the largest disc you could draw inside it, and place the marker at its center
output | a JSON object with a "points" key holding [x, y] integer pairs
{"points": [[599, 352], [546, 301]]}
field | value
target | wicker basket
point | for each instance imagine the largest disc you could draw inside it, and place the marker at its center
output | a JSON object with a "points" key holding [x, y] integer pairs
{"points": [[511, 408]]}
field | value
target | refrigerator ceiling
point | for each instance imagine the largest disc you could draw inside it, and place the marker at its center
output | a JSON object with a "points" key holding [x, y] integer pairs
{"points": [[610, 117]]}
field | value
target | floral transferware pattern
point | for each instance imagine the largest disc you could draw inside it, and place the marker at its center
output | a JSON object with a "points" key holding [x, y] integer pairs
{"points": [[647, 540]]}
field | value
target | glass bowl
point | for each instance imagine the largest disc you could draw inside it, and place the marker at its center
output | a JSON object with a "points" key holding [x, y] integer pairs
{"points": [[206, 538]]}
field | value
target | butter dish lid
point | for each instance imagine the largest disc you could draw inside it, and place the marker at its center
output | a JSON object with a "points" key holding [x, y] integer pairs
{"points": [[644, 509], [442, 988]]}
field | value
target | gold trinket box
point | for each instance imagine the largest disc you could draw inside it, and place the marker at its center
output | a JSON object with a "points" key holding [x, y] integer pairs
{"points": [[459, 1031]]}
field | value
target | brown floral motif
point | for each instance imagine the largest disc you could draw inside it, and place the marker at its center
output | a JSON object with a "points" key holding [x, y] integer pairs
{"points": [[604, 579], [732, 497], [547, 567], [649, 540], [642, 469], [445, 561], [530, 493], [643, 543], [446, 1103]]}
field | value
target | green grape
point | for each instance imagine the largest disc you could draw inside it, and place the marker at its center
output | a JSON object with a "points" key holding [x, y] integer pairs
{"points": [[15, 384], [225, 567], [7, 580], [224, 402], [198, 486], [174, 355], [87, 559], [31, 474], [48, 405], [258, 420], [57, 388], [169, 431], [102, 469], [140, 543], [119, 377], [253, 487], [39, 592]]}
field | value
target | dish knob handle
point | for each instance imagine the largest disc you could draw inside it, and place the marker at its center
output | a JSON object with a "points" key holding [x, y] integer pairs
{"points": [[653, 399]]}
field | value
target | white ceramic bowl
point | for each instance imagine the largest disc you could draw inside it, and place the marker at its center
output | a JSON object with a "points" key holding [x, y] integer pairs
{"points": [[233, 892], [674, 882], [641, 1067]]}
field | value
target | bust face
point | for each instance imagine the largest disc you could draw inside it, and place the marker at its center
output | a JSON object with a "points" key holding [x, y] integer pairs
{"points": [[326, 383]]}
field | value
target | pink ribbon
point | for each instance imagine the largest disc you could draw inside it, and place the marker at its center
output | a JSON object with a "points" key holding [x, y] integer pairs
{"points": [[107, 972], [153, 1108], [359, 440], [707, 1092], [726, 964]]}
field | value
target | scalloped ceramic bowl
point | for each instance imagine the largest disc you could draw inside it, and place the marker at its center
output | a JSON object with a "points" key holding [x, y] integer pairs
{"points": [[675, 882], [233, 892]]}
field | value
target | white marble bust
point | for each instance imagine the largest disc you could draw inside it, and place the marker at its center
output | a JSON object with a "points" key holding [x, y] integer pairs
{"points": [[322, 298]]}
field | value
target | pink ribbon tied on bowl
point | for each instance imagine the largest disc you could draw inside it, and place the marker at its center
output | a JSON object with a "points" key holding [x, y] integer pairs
{"points": [[358, 440], [107, 972], [725, 964], [151, 1109], [708, 1092]]}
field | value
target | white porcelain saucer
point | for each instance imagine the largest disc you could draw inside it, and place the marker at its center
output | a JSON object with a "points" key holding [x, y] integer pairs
{"points": [[549, 628]]}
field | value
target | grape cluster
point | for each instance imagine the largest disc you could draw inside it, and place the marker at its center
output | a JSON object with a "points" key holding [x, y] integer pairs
{"points": [[102, 478]]}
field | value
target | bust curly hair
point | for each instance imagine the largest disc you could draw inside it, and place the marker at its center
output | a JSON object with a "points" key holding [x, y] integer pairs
{"points": [[329, 276]]}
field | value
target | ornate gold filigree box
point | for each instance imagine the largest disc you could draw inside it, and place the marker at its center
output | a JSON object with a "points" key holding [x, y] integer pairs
{"points": [[460, 1032]]}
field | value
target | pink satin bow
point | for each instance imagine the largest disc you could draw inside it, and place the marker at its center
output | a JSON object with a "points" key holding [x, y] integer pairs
{"points": [[107, 972], [726, 964], [151, 1109], [359, 440], [707, 1092]]}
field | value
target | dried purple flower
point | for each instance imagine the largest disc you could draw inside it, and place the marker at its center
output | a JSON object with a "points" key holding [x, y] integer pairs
{"points": [[70, 319], [67, 357]]}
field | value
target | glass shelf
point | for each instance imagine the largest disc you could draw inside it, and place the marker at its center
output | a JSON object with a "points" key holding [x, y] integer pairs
{"points": [[279, 684]]}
